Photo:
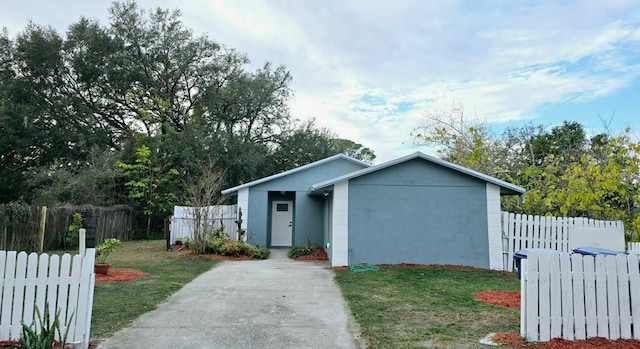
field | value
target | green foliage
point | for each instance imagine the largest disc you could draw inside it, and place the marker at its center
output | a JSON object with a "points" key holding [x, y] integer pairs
{"points": [[105, 248], [43, 337], [564, 172], [134, 108], [259, 252], [235, 248], [70, 238], [305, 142], [146, 181], [303, 250]]}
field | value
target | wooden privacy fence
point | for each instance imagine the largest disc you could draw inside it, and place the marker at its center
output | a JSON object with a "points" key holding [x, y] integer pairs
{"points": [[527, 231], [577, 297], [64, 283], [38, 228], [182, 221]]}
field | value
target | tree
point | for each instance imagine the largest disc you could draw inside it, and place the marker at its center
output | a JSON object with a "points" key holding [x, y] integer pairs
{"points": [[145, 181], [564, 172], [459, 140], [93, 181], [201, 194], [105, 86], [353, 149], [305, 143]]}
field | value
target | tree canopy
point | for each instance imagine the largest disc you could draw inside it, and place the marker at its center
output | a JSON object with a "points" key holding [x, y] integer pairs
{"points": [[154, 103], [565, 171]]}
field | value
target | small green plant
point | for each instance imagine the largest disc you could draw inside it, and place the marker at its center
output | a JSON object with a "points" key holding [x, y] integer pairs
{"points": [[70, 238], [105, 248], [307, 249], [219, 233], [45, 336], [259, 252]]}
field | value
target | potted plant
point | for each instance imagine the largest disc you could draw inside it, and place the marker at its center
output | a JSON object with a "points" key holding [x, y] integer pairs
{"points": [[102, 252]]}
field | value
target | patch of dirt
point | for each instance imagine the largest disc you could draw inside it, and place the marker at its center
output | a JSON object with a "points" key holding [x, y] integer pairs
{"points": [[213, 256], [322, 256], [120, 275], [507, 299]]}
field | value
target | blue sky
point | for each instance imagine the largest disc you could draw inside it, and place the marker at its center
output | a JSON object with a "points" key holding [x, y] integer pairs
{"points": [[369, 70]]}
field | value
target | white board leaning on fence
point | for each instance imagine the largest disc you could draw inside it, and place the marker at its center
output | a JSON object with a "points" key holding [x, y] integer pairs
{"points": [[181, 226], [610, 238]]}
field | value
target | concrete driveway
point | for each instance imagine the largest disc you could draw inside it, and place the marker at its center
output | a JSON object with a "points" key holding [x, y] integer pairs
{"points": [[275, 303]]}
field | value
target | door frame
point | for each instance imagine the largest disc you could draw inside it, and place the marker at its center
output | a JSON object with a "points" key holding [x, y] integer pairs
{"points": [[273, 209]]}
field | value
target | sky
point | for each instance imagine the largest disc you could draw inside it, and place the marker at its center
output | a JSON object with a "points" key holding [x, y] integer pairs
{"points": [[371, 70]]}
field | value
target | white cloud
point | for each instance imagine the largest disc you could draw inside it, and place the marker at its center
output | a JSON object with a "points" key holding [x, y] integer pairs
{"points": [[501, 60]]}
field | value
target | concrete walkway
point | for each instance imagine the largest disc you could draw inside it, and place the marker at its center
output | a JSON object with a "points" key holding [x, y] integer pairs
{"points": [[275, 303]]}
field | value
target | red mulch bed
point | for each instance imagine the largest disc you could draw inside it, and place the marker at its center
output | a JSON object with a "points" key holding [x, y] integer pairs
{"points": [[507, 299], [511, 299], [120, 275], [190, 254], [13, 343], [322, 256], [213, 256], [514, 340]]}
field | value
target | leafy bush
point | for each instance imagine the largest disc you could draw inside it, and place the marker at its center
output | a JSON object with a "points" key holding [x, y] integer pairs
{"points": [[235, 248], [304, 250], [259, 252], [70, 238], [214, 246]]}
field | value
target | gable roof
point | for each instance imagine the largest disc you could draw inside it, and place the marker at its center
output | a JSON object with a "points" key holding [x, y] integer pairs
{"points": [[505, 187], [294, 170]]}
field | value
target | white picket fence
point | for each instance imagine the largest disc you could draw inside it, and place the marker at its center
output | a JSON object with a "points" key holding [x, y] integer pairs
{"points": [[30, 281], [182, 222], [578, 297], [633, 247], [528, 231]]}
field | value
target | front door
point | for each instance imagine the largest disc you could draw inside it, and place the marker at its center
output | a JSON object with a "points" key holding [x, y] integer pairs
{"points": [[281, 223]]}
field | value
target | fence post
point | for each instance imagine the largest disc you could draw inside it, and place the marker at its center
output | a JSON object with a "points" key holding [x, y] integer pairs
{"points": [[43, 221], [82, 243]]}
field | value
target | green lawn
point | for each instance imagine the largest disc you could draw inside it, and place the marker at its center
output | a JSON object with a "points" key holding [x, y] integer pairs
{"points": [[117, 304], [427, 307]]}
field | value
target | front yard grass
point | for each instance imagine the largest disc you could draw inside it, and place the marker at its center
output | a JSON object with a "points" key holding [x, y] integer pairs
{"points": [[404, 307], [117, 304]]}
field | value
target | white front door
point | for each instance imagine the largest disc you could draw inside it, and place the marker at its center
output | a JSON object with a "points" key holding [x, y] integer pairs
{"points": [[281, 223]]}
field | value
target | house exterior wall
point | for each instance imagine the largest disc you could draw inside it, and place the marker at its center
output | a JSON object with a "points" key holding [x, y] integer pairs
{"points": [[308, 210], [417, 212]]}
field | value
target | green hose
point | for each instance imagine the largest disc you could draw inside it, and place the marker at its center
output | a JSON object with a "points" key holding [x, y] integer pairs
{"points": [[363, 267]]}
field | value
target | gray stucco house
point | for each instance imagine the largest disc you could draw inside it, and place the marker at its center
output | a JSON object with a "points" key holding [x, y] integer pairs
{"points": [[414, 209]]}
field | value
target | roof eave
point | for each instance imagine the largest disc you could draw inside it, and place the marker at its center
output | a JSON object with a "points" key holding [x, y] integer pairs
{"points": [[293, 170]]}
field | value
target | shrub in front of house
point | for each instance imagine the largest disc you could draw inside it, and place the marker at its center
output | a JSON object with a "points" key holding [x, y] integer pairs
{"points": [[304, 250], [235, 248], [259, 252]]}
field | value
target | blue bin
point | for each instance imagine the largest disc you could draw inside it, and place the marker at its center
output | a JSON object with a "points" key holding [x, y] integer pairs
{"points": [[522, 254], [594, 251]]}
